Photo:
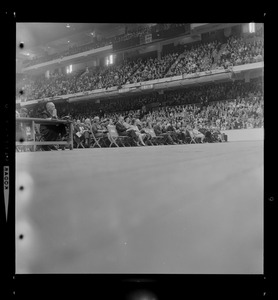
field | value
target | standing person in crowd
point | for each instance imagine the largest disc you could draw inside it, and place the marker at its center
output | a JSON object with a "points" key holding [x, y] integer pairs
{"points": [[50, 132]]}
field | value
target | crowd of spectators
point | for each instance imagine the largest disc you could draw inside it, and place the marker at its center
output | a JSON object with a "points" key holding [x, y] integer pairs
{"points": [[153, 68], [177, 123], [236, 52], [197, 59], [228, 102], [201, 57], [198, 95], [177, 117], [240, 52]]}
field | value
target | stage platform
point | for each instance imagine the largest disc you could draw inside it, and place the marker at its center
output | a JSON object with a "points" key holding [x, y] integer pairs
{"points": [[182, 209]]}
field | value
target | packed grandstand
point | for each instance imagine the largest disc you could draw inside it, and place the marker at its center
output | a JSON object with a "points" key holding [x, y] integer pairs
{"points": [[156, 81]]}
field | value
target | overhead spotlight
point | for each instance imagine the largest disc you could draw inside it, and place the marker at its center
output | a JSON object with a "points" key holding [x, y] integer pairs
{"points": [[68, 41], [68, 25]]}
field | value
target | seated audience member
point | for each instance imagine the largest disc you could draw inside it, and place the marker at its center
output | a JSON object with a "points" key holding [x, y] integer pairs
{"points": [[122, 131], [172, 131], [152, 140], [217, 134], [97, 128], [78, 133], [142, 127], [207, 133], [126, 122], [134, 127], [87, 132], [158, 131], [181, 132], [198, 134], [50, 132], [189, 130], [99, 131]]}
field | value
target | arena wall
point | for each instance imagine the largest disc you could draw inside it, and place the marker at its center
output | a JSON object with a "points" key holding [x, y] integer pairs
{"points": [[245, 134]]}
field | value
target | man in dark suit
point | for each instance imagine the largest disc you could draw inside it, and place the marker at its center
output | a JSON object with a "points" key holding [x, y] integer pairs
{"points": [[50, 132], [121, 129], [172, 132], [158, 131]]}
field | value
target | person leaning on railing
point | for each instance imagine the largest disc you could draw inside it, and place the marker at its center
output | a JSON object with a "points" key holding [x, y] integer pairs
{"points": [[50, 132]]}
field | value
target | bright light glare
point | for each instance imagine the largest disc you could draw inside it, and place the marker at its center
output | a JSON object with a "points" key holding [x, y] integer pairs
{"points": [[251, 27]]}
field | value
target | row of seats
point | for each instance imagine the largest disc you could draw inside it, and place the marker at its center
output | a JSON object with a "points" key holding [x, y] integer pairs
{"points": [[145, 134]]}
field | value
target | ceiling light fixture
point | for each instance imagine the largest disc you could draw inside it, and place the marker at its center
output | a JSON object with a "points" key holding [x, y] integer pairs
{"points": [[68, 26]]}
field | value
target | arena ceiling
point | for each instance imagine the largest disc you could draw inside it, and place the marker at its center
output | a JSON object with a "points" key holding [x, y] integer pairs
{"points": [[41, 37]]}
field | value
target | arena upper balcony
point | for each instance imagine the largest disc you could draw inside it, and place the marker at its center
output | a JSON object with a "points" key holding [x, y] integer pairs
{"points": [[240, 72], [156, 35]]}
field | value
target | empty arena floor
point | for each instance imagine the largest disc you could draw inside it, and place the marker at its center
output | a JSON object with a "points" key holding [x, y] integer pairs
{"points": [[191, 209]]}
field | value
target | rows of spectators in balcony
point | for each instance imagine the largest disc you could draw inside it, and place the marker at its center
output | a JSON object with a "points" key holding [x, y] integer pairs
{"points": [[239, 52], [202, 57], [131, 71], [197, 59], [205, 57]]}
